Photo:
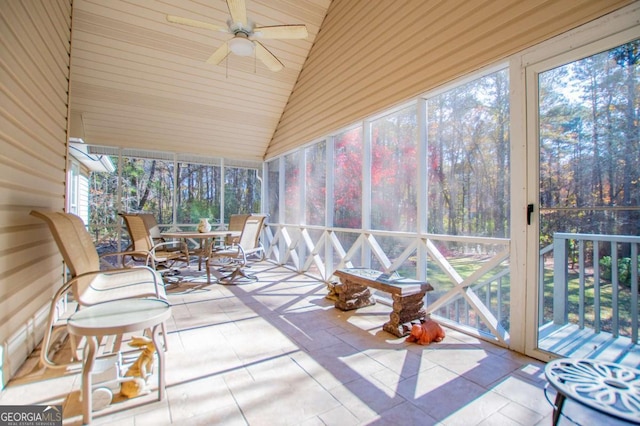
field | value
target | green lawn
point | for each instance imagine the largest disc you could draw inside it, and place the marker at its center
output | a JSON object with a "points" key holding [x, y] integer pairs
{"points": [[606, 297], [466, 265]]}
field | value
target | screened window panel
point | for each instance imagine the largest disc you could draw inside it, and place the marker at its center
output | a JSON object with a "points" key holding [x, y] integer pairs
{"points": [[147, 187], [273, 190], [348, 179], [316, 173], [199, 187], [394, 171], [468, 158], [242, 191], [292, 202]]}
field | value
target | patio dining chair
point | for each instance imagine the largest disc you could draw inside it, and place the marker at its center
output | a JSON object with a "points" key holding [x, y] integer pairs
{"points": [[87, 284], [228, 263], [152, 225], [144, 249], [236, 223]]}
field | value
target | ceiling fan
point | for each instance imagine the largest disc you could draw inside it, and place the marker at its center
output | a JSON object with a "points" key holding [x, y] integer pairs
{"points": [[244, 33]]}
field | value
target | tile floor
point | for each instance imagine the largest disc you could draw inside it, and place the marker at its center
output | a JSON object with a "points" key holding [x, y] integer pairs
{"points": [[276, 352]]}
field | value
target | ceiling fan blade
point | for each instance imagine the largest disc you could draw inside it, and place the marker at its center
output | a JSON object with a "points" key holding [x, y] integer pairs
{"points": [[238, 11], [284, 32], [219, 55], [267, 57], [193, 23]]}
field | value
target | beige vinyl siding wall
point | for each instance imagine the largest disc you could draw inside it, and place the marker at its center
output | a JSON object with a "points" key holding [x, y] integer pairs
{"points": [[35, 56], [369, 56]]}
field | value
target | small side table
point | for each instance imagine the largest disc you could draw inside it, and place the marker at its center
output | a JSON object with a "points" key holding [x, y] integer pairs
{"points": [[115, 318], [604, 386]]}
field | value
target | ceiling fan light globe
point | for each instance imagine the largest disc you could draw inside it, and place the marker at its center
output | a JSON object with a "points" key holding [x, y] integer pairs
{"points": [[241, 46]]}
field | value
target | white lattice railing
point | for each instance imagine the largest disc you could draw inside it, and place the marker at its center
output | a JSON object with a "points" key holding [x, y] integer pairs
{"points": [[473, 295]]}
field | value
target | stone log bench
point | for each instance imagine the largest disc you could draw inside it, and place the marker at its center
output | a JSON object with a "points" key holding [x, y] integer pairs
{"points": [[408, 305]]}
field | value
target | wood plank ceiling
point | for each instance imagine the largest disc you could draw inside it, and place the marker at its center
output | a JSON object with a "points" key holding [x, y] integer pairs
{"points": [[138, 81]]}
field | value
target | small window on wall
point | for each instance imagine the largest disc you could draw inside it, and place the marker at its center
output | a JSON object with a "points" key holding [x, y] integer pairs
{"points": [[73, 188]]}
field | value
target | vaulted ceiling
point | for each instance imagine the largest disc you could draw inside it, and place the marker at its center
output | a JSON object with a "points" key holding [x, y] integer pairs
{"points": [[139, 81]]}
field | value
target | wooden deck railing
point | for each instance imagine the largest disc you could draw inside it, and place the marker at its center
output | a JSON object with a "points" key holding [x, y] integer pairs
{"points": [[585, 283]]}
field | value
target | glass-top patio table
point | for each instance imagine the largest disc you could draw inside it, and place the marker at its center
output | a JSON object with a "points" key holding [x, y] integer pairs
{"points": [[117, 318], [207, 238]]}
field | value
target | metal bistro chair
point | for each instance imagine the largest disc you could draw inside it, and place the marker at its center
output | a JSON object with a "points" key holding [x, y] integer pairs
{"points": [[87, 283], [228, 263], [143, 248]]}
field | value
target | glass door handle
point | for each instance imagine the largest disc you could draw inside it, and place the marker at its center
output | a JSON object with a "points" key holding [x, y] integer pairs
{"points": [[529, 212]]}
